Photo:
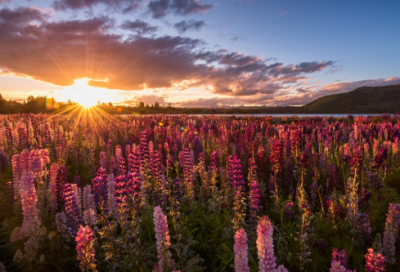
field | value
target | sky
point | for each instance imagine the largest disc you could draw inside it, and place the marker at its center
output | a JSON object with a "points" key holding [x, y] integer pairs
{"points": [[196, 53]]}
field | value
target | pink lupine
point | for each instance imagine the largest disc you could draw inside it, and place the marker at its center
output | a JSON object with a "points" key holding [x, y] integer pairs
{"points": [[163, 240], [30, 212], [85, 249], [375, 262], [265, 245], [240, 249], [340, 257]]}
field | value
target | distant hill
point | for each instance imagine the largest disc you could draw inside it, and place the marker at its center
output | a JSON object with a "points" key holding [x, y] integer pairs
{"points": [[384, 99]]}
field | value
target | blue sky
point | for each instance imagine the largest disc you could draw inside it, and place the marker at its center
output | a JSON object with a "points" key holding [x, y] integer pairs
{"points": [[263, 52]]}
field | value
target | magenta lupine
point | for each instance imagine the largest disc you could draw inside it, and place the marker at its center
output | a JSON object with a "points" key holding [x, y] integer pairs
{"points": [[240, 249], [265, 245], [121, 193], [340, 257], [85, 249], [375, 262], [380, 158], [71, 209], [163, 241], [277, 160], [391, 233]]}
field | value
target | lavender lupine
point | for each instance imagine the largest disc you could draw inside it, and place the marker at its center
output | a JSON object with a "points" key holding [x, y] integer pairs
{"points": [[375, 262], [31, 221], [391, 233], [71, 209], [240, 249], [165, 261], [265, 245], [364, 226]]}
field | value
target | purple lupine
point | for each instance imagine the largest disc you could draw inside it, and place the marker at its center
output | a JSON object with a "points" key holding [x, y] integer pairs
{"points": [[77, 181], [364, 225], [99, 185], [390, 234], [254, 202], [71, 209], [60, 180]]}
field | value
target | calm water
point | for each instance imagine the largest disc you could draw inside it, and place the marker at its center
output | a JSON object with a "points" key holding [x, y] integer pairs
{"points": [[285, 115]]}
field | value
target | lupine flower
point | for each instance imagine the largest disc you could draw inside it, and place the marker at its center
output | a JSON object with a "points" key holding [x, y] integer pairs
{"points": [[85, 249], [239, 192], [88, 199], [99, 184], [31, 222], [339, 257], [265, 245], [380, 158], [240, 249], [363, 224], [61, 179], [163, 241], [375, 262], [89, 217], [391, 232], [277, 159], [61, 225], [254, 201], [71, 209]]}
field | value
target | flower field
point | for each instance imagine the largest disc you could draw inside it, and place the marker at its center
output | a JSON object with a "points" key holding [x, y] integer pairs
{"points": [[199, 193]]}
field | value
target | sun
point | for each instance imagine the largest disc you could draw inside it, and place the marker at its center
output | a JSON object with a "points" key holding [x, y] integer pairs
{"points": [[85, 95]]}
